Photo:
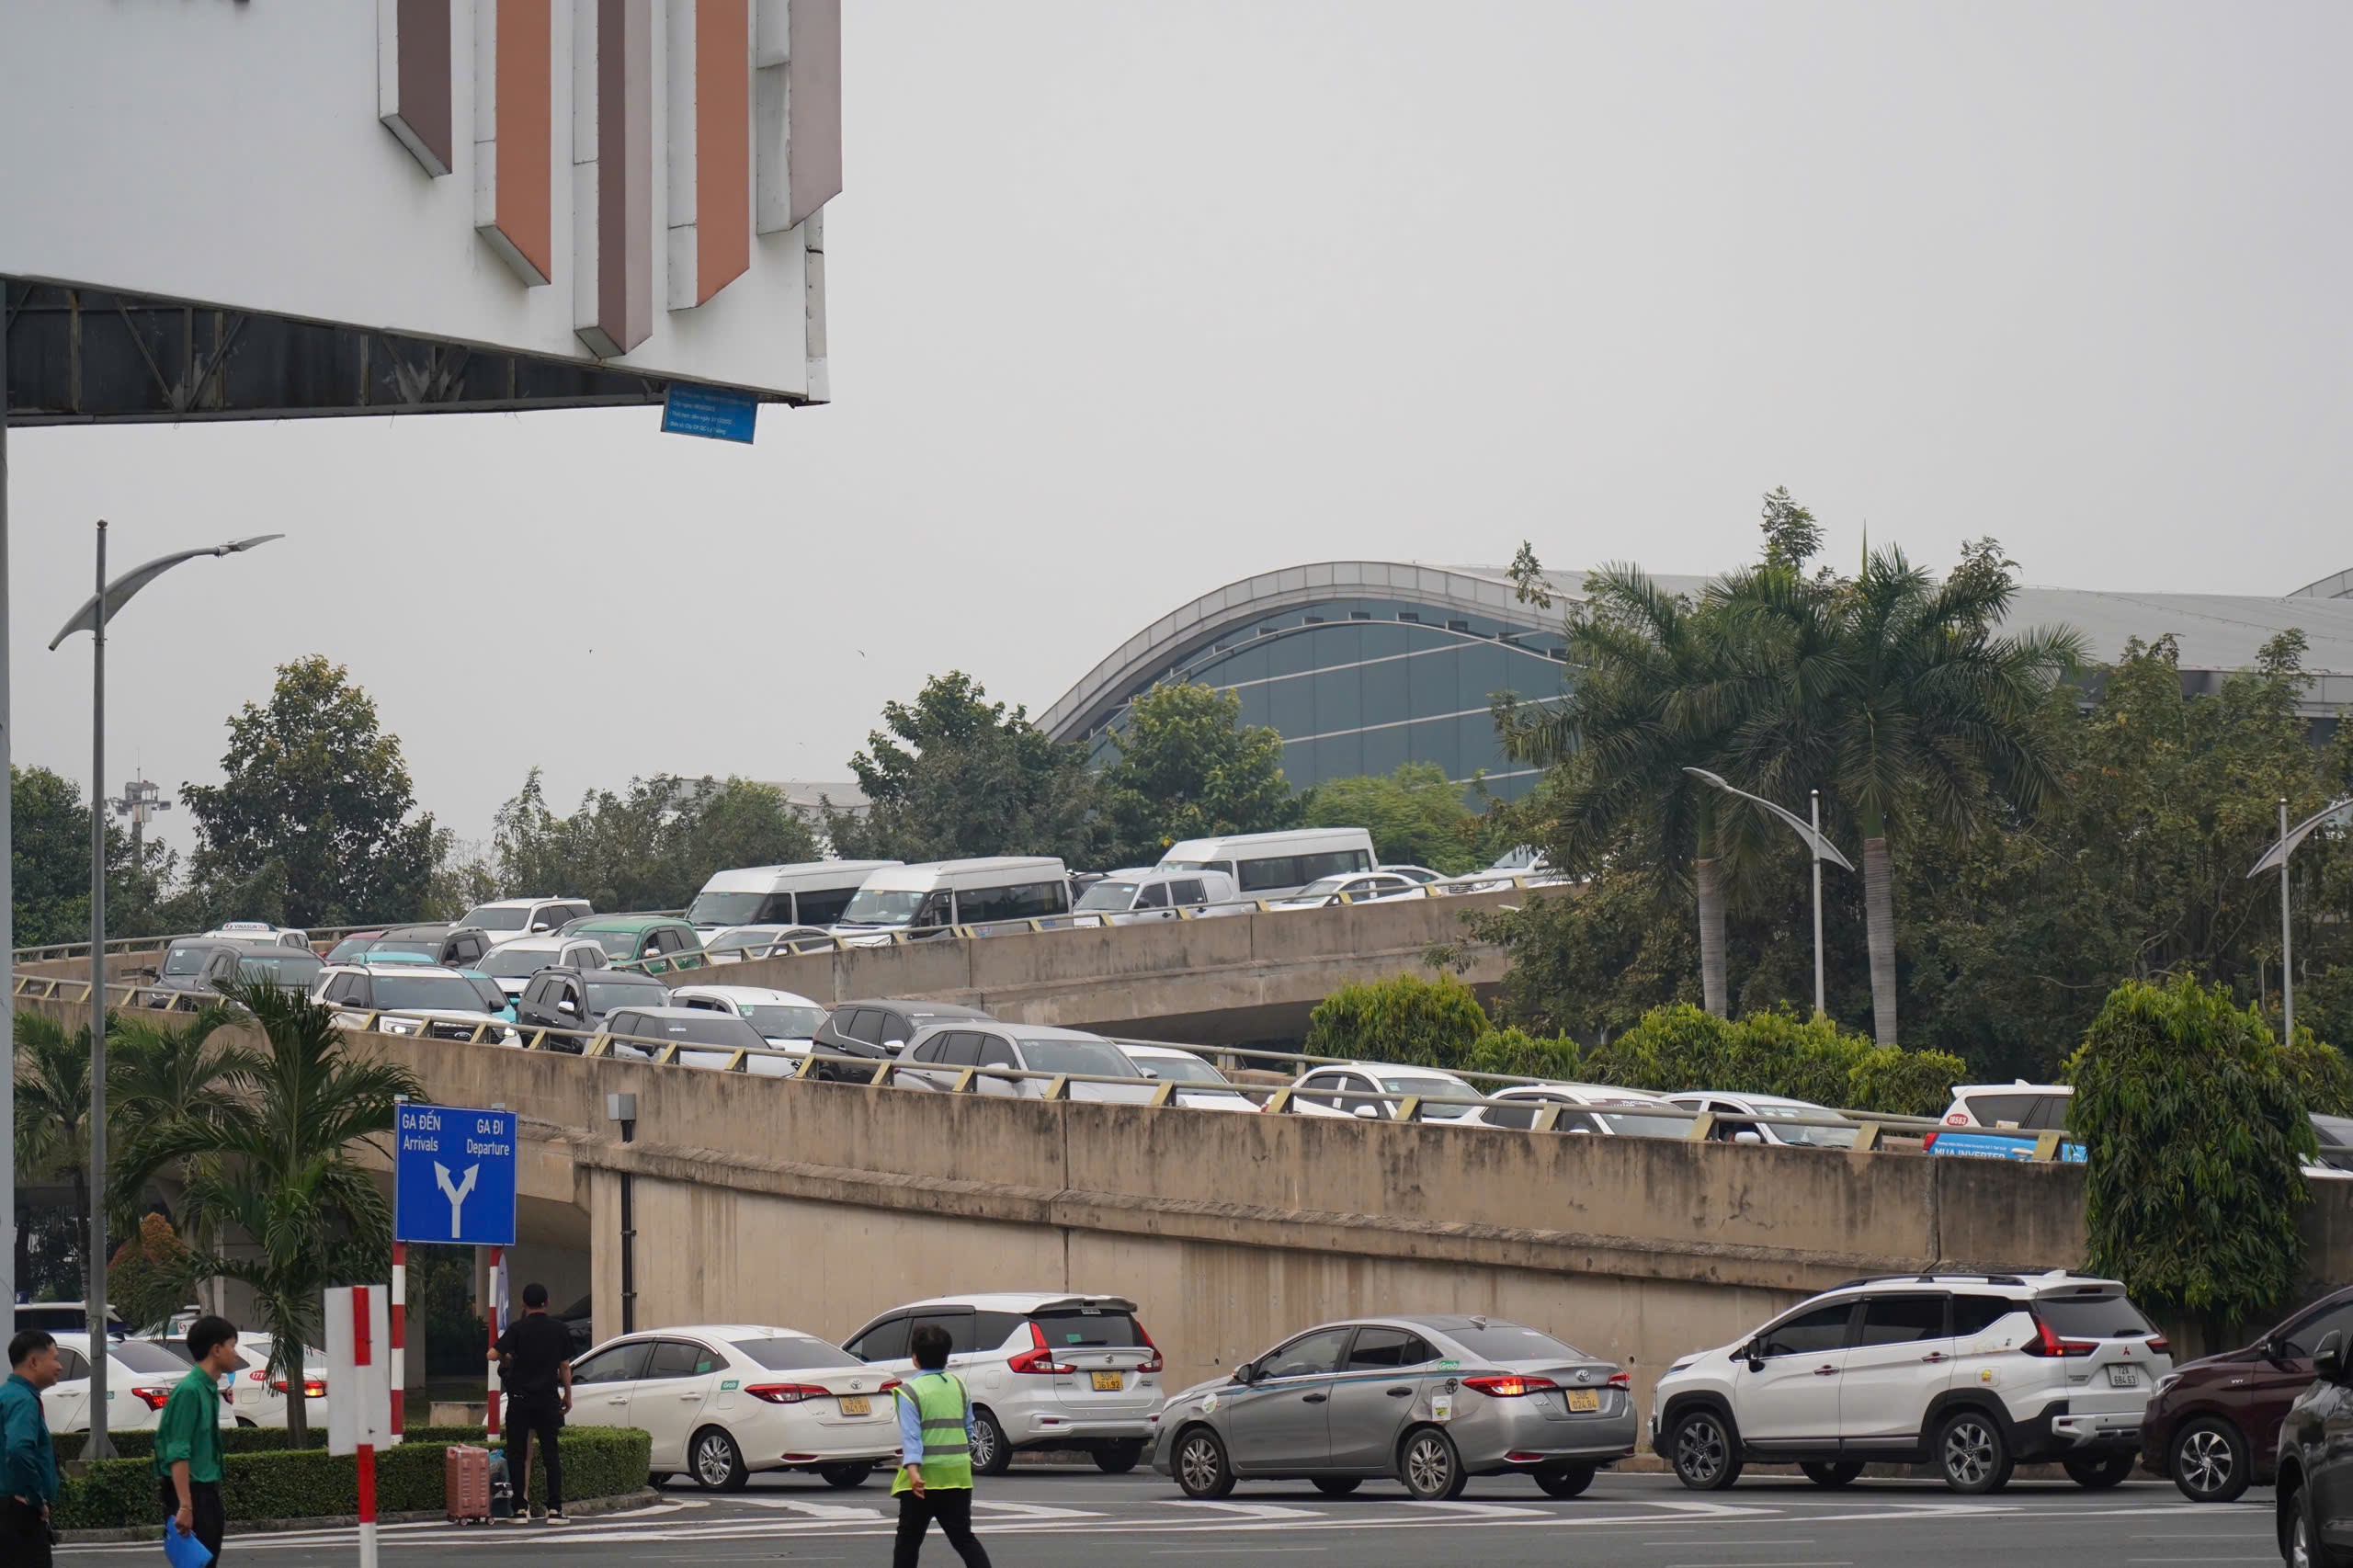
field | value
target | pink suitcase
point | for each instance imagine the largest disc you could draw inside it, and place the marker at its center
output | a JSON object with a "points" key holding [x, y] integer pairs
{"points": [[466, 1484]]}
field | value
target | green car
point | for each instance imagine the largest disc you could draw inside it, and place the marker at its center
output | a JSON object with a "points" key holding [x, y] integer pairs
{"points": [[665, 939]]}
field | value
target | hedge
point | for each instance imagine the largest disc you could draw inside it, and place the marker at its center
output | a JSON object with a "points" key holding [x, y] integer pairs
{"points": [[139, 1445], [261, 1484]]}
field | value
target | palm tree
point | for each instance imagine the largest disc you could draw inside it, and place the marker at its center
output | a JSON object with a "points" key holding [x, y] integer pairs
{"points": [[1888, 687], [155, 1076], [52, 1070], [1653, 694], [282, 1170]]}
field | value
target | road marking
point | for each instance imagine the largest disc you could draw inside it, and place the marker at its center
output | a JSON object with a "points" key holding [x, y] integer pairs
{"points": [[1776, 1563], [1276, 1511], [1228, 1551], [1735, 1545], [2268, 1557]]}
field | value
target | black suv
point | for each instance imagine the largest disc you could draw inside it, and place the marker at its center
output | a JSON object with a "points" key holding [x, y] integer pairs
{"points": [[457, 947], [860, 1034], [577, 1000], [2316, 1464]]}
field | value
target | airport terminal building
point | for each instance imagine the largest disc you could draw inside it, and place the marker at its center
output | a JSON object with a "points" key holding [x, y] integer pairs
{"points": [[1361, 665]]}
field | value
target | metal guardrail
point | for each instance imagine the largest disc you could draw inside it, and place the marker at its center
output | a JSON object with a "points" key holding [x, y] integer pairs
{"points": [[321, 936]]}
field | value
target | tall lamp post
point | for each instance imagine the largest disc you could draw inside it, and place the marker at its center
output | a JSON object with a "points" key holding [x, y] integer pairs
{"points": [[1814, 840], [2276, 858], [91, 617]]}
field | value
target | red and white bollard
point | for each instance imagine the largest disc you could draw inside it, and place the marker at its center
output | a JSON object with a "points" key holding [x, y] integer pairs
{"points": [[496, 1289], [399, 1338], [360, 1417]]}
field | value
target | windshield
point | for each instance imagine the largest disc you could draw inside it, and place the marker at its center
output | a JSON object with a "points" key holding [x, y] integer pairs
{"points": [[795, 1354], [1324, 886], [1070, 1325], [1645, 1123], [616, 944], [777, 1020], [704, 1029], [2092, 1317], [1109, 894], [882, 906], [1095, 1058], [1442, 1088], [427, 947], [1225, 866], [350, 948], [604, 996], [395, 993], [491, 917], [141, 1356], [1510, 1342], [515, 961], [725, 908], [186, 960], [1182, 1069], [294, 970], [1782, 1116]]}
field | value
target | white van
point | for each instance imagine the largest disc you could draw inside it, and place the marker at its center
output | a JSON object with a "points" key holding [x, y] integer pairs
{"points": [[923, 900], [812, 892], [1151, 893], [1272, 864]]}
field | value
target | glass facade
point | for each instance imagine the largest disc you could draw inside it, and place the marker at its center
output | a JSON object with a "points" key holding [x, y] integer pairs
{"points": [[1359, 685]]}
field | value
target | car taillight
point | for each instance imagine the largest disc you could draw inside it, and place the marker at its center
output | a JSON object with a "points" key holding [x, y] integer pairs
{"points": [[1621, 1380], [2046, 1343], [312, 1388], [154, 1399], [1038, 1359], [1154, 1363], [787, 1393], [2160, 1346], [1512, 1385], [889, 1386]]}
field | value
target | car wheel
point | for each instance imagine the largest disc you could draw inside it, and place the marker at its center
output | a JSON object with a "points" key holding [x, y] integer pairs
{"points": [[1565, 1481], [2296, 1545], [2210, 1461], [1336, 1485], [2099, 1472], [845, 1475], [246, 1420], [660, 1478], [1118, 1459], [1431, 1467], [991, 1453], [1201, 1468], [1707, 1455], [1972, 1453], [1831, 1475], [716, 1463]]}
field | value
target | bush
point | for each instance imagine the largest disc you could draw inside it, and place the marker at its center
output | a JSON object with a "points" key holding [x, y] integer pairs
{"points": [[2324, 1080], [2194, 1127], [281, 1482], [1519, 1055], [1682, 1047], [1404, 1018]]}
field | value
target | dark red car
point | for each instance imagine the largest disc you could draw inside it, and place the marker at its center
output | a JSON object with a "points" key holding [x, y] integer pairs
{"points": [[2214, 1425]]}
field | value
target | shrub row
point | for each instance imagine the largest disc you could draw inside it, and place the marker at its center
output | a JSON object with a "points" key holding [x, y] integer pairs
{"points": [[287, 1483], [140, 1444]]}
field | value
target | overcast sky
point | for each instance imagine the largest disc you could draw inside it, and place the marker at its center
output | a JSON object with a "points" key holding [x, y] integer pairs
{"points": [[1129, 300]]}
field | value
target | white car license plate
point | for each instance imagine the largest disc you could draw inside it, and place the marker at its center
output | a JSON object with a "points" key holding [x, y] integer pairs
{"points": [[1108, 1382], [2124, 1378], [854, 1404]]}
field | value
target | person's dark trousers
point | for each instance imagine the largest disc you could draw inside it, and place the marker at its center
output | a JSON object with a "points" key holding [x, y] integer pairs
{"points": [[24, 1536], [527, 1419], [204, 1496], [952, 1506]]}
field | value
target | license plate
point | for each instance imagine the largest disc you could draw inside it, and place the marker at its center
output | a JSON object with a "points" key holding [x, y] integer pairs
{"points": [[1585, 1401], [2124, 1376], [1109, 1382], [854, 1405]]}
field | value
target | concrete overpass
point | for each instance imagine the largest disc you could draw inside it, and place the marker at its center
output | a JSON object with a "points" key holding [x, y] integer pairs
{"points": [[818, 1204]]}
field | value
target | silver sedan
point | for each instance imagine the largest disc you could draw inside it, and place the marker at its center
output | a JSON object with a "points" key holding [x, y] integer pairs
{"points": [[1428, 1401]]}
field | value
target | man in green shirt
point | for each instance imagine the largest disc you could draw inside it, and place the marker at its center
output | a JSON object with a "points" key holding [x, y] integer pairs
{"points": [[187, 1440], [28, 1463]]}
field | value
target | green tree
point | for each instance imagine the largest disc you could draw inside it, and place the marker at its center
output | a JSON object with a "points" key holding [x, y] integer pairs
{"points": [[52, 1105], [51, 824], [156, 1075], [1515, 1053], [649, 846], [1187, 767], [2194, 1132], [1417, 816], [1404, 1019], [314, 821], [952, 774], [147, 1278], [286, 1171], [1774, 1053]]}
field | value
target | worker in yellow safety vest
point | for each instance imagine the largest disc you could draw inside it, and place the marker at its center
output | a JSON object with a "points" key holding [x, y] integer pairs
{"points": [[935, 1455]]}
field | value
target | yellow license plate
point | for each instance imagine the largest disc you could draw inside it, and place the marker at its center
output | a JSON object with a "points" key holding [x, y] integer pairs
{"points": [[1585, 1400], [854, 1404], [1109, 1382]]}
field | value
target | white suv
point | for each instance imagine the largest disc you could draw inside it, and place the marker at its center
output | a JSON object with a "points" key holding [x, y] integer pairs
{"points": [[1972, 1373], [1045, 1371]]}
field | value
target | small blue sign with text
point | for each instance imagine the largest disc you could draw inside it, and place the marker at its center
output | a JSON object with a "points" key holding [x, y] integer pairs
{"points": [[718, 413]]}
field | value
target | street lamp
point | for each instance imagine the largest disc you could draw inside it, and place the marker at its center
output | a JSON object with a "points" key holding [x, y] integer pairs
{"points": [[91, 617], [1814, 840], [621, 1108], [2334, 814]]}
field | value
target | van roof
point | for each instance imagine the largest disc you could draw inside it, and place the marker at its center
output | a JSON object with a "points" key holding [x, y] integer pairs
{"points": [[980, 866], [1238, 843], [761, 879]]}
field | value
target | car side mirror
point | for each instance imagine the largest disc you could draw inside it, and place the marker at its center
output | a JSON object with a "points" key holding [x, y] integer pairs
{"points": [[541, 928], [1753, 1139], [1369, 1112], [1751, 1353], [564, 1004], [2328, 1361], [1246, 1373]]}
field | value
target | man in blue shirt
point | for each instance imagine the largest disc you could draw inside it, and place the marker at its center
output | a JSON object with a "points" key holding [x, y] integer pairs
{"points": [[27, 1462]]}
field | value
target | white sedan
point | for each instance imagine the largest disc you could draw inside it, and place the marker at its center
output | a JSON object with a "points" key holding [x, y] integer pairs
{"points": [[140, 1379], [786, 1020], [255, 1395], [1201, 1086], [723, 1400], [1360, 887], [1585, 1107], [1376, 1091]]}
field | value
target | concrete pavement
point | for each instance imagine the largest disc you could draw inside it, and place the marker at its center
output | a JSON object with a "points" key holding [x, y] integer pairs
{"points": [[1081, 1519]]}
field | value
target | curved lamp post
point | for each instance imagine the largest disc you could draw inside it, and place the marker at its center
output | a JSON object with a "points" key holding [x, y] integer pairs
{"points": [[91, 617], [2276, 858], [1814, 840]]}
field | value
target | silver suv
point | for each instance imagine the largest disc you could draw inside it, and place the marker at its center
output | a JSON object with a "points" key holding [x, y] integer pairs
{"points": [[1045, 1371]]}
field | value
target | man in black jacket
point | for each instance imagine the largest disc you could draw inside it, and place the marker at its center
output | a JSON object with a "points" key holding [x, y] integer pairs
{"points": [[535, 1367]]}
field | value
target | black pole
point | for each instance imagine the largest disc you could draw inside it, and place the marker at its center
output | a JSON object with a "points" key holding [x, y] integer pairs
{"points": [[628, 1240]]}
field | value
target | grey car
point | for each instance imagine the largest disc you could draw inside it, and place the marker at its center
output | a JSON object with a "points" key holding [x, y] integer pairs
{"points": [[1429, 1402]]}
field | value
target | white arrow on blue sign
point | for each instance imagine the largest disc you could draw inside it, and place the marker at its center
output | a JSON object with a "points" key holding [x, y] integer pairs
{"points": [[453, 1176]]}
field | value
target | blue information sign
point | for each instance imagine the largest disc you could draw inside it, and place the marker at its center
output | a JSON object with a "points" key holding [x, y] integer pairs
{"points": [[453, 1176], [1999, 1146], [722, 414]]}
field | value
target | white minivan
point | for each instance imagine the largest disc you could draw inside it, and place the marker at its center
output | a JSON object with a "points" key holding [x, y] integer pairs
{"points": [[1274, 865], [924, 900], [1151, 893], [812, 892]]}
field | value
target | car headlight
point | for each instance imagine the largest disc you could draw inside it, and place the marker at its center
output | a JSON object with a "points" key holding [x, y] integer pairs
{"points": [[1683, 1365], [399, 1025], [2164, 1385]]}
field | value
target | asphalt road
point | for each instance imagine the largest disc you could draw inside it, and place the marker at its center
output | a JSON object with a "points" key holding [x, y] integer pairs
{"points": [[1081, 1520]]}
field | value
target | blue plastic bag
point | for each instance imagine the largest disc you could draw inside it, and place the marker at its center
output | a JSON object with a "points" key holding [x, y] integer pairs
{"points": [[184, 1551]]}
